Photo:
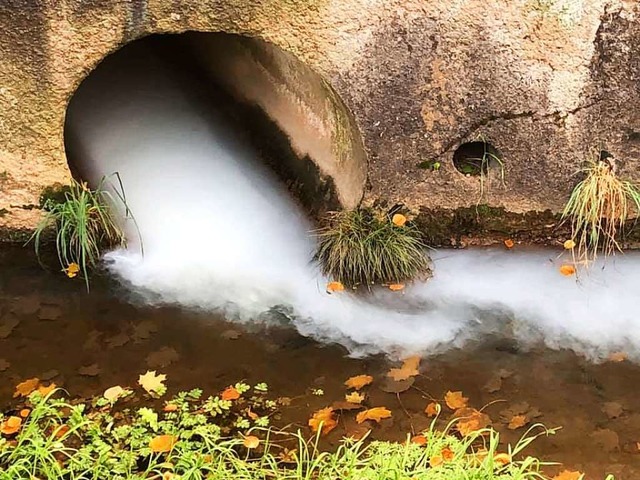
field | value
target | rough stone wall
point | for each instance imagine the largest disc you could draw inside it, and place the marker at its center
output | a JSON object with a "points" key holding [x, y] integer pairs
{"points": [[547, 82]]}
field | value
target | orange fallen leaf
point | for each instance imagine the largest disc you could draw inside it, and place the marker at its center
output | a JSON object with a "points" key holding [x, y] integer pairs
{"points": [[376, 414], [399, 220], [72, 270], [252, 415], [569, 475], [447, 454], [432, 409], [230, 393], [358, 381], [25, 388], [61, 431], [44, 391], [24, 413], [517, 421], [409, 369], [170, 407], [324, 417], [567, 270], [354, 397], [502, 458], [162, 443], [471, 421], [569, 244], [335, 287], [617, 357], [419, 440], [251, 441], [509, 243], [455, 400], [11, 425], [396, 287]]}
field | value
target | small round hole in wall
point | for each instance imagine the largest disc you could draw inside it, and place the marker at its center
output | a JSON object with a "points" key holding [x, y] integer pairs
{"points": [[475, 158]]}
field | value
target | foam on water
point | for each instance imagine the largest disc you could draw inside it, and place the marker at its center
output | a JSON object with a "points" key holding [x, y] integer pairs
{"points": [[220, 233]]}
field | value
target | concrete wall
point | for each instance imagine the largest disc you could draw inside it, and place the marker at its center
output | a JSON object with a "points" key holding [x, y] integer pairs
{"points": [[547, 82]]}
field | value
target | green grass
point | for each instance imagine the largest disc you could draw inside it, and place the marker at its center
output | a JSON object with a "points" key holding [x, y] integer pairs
{"points": [[598, 209], [95, 440], [361, 248], [85, 224]]}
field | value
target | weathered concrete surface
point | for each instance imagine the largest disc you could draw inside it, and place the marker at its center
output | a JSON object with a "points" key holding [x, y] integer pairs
{"points": [[547, 82]]}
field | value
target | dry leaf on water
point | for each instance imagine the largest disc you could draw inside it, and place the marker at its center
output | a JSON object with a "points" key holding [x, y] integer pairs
{"points": [[7, 325], [4, 365], [230, 393], [612, 409], [24, 389], [392, 386], [72, 270], [92, 370], [11, 425], [409, 369], [44, 391], [517, 421], [446, 455], [251, 441], [509, 243], [376, 414], [471, 421], [399, 220], [334, 287], [567, 270], [354, 397], [359, 381], [432, 409], [152, 382], [162, 358], [455, 400], [113, 393], [569, 475], [325, 417], [119, 340], [162, 443]]}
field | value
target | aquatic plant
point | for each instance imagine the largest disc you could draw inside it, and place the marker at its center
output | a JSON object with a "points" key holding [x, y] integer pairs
{"points": [[359, 247], [85, 225], [598, 209]]}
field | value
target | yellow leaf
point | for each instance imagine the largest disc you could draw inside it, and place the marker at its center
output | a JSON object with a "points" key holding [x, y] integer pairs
{"points": [[509, 243], [354, 397], [396, 287], [517, 421], [11, 425], [358, 381], [72, 270], [455, 400], [399, 220], [409, 369], [25, 388], [569, 475], [435, 461], [334, 287], [471, 421], [376, 414], [152, 382], [432, 409], [569, 244], [419, 440], [251, 441], [162, 443], [113, 393], [502, 458], [325, 417], [44, 391], [230, 393], [567, 270], [24, 413]]}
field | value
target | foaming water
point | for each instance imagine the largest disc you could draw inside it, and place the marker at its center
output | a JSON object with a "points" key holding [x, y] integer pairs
{"points": [[220, 233]]}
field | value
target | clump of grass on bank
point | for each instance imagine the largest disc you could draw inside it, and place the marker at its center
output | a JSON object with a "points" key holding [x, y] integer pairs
{"points": [[85, 224], [598, 210], [358, 247], [195, 438]]}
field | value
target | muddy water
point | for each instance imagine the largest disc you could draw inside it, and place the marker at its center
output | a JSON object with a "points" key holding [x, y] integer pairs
{"points": [[51, 328]]}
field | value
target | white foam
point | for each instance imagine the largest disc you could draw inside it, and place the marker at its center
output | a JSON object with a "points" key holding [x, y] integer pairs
{"points": [[219, 233]]}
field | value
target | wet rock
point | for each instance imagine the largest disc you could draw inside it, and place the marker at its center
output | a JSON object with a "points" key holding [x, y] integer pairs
{"points": [[49, 312], [162, 358], [607, 440], [7, 324]]}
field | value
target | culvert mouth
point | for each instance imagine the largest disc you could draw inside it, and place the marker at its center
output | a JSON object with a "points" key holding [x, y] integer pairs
{"points": [[476, 158]]}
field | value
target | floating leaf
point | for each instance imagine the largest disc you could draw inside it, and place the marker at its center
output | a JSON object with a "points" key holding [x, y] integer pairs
{"points": [[152, 382], [432, 409], [72, 270], [324, 417], [399, 220], [44, 391], [25, 388], [455, 400], [112, 394], [409, 369], [509, 243], [567, 270], [90, 370], [376, 414], [334, 287], [162, 443], [4, 365], [359, 381], [569, 475], [517, 421], [392, 386], [471, 421], [251, 441], [569, 244], [11, 425], [162, 358], [396, 287], [230, 393], [354, 397]]}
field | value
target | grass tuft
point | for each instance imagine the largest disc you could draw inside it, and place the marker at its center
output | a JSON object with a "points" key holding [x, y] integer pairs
{"points": [[598, 209], [85, 225], [360, 248]]}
